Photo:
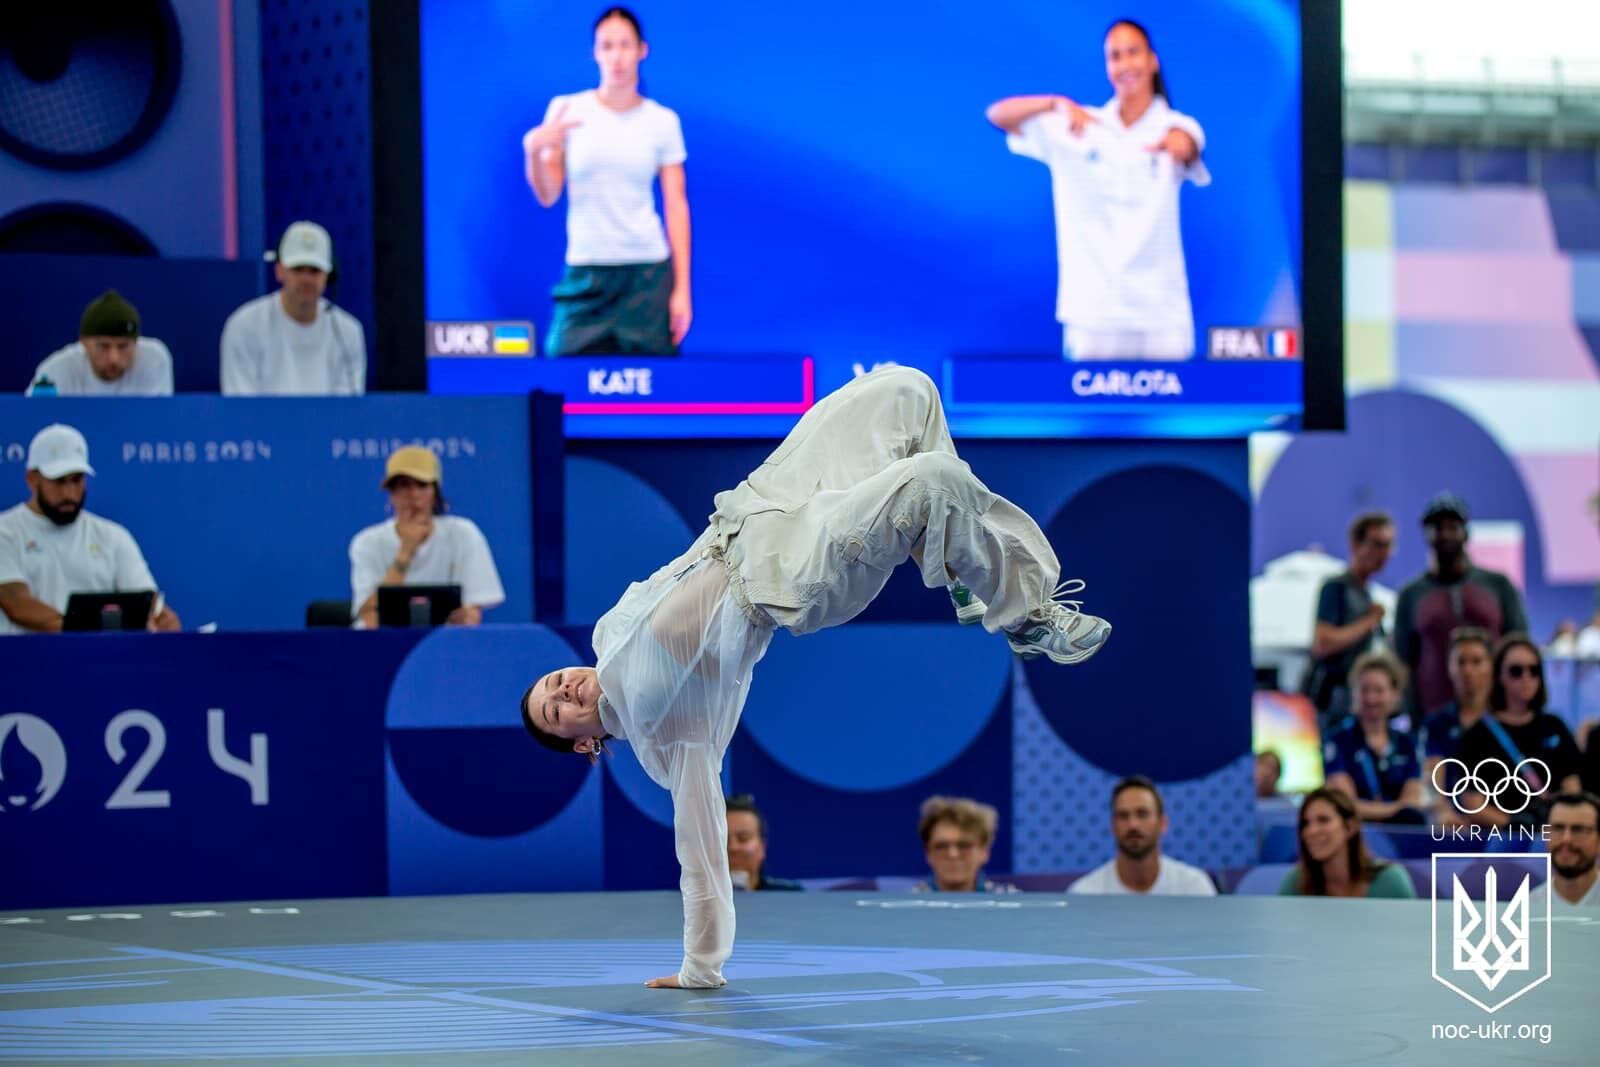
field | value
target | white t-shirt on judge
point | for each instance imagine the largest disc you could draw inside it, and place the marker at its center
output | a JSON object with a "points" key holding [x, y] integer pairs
{"points": [[88, 555], [612, 160], [266, 353], [69, 370], [1118, 242], [1176, 879], [456, 553]]}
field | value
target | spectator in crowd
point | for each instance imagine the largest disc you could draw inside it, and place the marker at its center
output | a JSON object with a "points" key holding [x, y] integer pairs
{"points": [[1365, 758], [956, 836], [295, 342], [52, 547], [1138, 823], [1471, 676], [1269, 769], [421, 545], [1334, 861], [109, 358], [1348, 621], [1453, 593], [1574, 846], [1588, 642], [1518, 728], [747, 847], [1572, 642]]}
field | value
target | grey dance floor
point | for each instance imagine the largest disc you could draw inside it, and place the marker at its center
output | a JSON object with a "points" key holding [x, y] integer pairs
{"points": [[825, 978]]}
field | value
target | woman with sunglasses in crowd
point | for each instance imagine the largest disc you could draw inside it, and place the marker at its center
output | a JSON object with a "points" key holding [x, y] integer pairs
{"points": [[1516, 732]]}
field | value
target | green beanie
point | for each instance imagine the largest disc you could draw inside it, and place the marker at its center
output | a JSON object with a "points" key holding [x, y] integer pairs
{"points": [[109, 316]]}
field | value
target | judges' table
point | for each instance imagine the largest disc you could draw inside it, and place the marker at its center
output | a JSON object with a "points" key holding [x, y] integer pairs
{"points": [[245, 507]]}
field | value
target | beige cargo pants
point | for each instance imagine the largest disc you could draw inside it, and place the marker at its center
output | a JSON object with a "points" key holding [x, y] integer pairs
{"points": [[868, 478]]}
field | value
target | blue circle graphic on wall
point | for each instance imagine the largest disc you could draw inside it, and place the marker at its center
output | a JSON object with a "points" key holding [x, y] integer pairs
{"points": [[455, 739], [1165, 553]]}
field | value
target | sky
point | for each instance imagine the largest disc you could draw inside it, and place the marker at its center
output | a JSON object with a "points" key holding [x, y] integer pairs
{"points": [[1448, 32]]}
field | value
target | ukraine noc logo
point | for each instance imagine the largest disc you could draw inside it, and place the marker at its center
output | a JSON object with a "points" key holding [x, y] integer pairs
{"points": [[33, 763]]}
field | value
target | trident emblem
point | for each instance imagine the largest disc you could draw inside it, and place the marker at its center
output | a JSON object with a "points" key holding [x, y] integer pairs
{"points": [[1491, 942]]}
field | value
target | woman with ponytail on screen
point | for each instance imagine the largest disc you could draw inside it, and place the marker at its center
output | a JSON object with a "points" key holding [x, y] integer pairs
{"points": [[626, 286], [1115, 173]]}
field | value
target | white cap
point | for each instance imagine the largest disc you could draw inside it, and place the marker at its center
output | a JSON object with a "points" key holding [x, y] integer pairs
{"points": [[57, 451], [305, 244]]}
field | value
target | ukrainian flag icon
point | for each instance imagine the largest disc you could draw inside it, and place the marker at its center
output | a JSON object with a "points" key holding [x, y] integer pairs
{"points": [[512, 340]]}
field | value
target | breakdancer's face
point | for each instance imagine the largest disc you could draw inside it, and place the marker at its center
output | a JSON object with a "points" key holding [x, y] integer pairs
{"points": [[566, 703]]}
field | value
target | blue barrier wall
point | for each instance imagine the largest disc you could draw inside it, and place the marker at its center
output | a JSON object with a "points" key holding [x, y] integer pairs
{"points": [[166, 821], [470, 804], [245, 508]]}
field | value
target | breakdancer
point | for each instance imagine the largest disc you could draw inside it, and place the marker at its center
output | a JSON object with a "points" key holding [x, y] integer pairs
{"points": [[868, 478]]}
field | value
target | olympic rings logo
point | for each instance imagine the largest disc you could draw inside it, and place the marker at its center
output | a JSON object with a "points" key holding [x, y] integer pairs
{"points": [[1510, 779]]}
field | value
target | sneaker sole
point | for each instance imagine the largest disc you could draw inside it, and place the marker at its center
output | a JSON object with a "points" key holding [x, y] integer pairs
{"points": [[1066, 660], [971, 613]]}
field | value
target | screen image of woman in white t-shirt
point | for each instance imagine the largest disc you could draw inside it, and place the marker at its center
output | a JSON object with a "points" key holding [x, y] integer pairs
{"points": [[1115, 174], [626, 286]]}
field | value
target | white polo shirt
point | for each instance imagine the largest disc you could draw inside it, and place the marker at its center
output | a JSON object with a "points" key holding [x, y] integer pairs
{"points": [[1176, 879], [69, 371], [612, 161], [1118, 244], [456, 553], [266, 353], [1591, 899], [88, 555]]}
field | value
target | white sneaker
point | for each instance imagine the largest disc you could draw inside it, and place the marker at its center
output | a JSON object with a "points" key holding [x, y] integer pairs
{"points": [[1058, 628], [969, 609]]}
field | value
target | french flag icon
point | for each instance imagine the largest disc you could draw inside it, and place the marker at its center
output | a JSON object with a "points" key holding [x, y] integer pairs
{"points": [[1283, 344]]}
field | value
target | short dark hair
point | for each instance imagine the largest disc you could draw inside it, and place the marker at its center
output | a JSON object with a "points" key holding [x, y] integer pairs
{"points": [[1366, 522], [747, 802], [619, 12], [544, 737], [1578, 798], [1471, 635], [1138, 781], [1497, 693]]}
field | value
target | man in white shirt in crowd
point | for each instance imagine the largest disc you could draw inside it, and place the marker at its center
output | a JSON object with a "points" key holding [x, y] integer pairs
{"points": [[109, 358], [51, 547], [294, 342], [421, 545], [1574, 852], [1139, 822]]}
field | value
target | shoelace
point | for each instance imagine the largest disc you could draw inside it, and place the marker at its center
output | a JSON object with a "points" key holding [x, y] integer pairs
{"points": [[1060, 610]]}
